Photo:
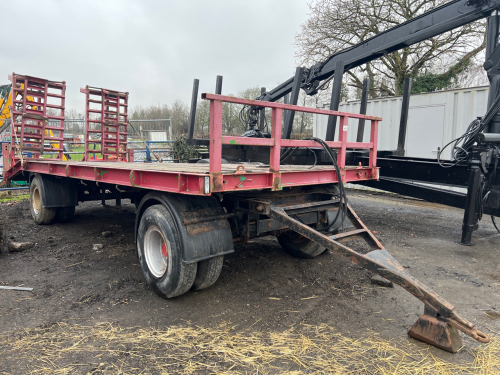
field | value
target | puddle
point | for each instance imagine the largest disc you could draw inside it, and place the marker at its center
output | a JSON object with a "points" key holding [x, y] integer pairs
{"points": [[494, 277]]}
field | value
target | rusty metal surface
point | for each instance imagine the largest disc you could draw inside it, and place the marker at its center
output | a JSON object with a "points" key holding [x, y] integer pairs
{"points": [[205, 220], [436, 332], [381, 262]]}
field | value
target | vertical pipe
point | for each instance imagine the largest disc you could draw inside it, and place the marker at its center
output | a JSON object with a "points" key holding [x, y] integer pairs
{"points": [[262, 115], [362, 110], [335, 100], [275, 153], [293, 100], [404, 116], [374, 142], [215, 147], [192, 113], [218, 85], [341, 157]]}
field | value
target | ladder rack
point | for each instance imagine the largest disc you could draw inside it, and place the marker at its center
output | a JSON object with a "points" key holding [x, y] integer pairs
{"points": [[106, 119], [37, 117]]}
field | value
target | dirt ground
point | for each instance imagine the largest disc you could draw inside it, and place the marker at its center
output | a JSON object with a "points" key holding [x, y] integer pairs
{"points": [[261, 288]]}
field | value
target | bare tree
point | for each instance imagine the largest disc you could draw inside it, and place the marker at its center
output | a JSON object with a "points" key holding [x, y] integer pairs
{"points": [[202, 120], [335, 25], [179, 115], [473, 76]]}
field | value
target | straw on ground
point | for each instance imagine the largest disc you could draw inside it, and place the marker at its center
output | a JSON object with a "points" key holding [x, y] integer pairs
{"points": [[107, 348]]}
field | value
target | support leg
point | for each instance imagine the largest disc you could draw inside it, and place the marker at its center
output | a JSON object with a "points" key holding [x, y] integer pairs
{"points": [[471, 216], [431, 329]]}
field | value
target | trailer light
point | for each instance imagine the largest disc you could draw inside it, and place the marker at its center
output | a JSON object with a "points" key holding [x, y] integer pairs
{"points": [[207, 185]]}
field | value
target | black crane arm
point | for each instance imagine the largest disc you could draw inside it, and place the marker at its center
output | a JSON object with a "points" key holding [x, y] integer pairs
{"points": [[434, 22]]}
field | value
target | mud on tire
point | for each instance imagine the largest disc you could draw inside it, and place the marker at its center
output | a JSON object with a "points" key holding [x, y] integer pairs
{"points": [[160, 254], [208, 272]]}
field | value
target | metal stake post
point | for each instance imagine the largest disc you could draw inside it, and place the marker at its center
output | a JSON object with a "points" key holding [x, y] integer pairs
{"points": [[218, 85], [362, 110], [404, 116], [192, 113], [290, 115], [335, 100], [262, 116]]}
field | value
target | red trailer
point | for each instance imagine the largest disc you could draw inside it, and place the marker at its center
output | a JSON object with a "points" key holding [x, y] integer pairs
{"points": [[189, 215]]}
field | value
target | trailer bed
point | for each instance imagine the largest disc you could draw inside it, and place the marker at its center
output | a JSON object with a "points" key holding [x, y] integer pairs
{"points": [[190, 178], [213, 177]]}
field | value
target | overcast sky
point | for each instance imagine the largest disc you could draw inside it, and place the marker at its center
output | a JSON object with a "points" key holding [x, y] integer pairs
{"points": [[152, 49]]}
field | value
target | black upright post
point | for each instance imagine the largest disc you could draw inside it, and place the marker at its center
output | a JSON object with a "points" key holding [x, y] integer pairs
{"points": [[362, 110], [405, 107], [286, 100], [491, 34], [294, 98], [335, 100], [192, 113], [491, 44], [218, 85], [471, 216], [262, 116]]}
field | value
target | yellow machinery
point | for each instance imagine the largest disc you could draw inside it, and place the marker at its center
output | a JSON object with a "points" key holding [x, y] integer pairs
{"points": [[5, 102]]}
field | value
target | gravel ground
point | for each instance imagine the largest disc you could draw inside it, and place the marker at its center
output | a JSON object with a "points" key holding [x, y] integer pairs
{"points": [[260, 287]]}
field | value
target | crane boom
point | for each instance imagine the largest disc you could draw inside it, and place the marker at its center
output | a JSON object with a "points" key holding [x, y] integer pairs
{"points": [[437, 21]]}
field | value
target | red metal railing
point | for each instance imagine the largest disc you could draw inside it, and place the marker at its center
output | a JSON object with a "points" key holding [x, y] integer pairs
{"points": [[195, 179], [276, 143]]}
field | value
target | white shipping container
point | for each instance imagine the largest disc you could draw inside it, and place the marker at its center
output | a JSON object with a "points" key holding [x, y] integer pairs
{"points": [[434, 119]]}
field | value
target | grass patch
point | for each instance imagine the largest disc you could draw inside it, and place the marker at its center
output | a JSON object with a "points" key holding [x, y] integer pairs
{"points": [[14, 198], [105, 348]]}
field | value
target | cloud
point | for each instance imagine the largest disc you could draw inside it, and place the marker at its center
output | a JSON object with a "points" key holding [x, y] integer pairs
{"points": [[152, 49]]}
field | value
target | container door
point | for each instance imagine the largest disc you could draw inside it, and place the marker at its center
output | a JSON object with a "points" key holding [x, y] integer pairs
{"points": [[424, 135]]}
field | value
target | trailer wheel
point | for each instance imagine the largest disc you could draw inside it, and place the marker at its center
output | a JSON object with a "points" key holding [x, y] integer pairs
{"points": [[299, 246], [66, 213], [40, 213], [208, 272], [160, 254]]}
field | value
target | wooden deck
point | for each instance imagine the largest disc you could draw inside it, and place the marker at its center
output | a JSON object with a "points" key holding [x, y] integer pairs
{"points": [[186, 168]]}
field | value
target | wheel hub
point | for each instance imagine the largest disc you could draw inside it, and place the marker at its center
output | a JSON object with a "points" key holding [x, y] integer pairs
{"points": [[156, 252], [36, 201]]}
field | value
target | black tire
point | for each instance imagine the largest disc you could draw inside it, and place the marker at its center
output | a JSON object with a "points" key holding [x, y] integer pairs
{"points": [[299, 246], [41, 214], [157, 234], [66, 214], [136, 203], [208, 272]]}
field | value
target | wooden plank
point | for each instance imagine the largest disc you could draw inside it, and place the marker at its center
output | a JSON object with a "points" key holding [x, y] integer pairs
{"points": [[188, 167]]}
